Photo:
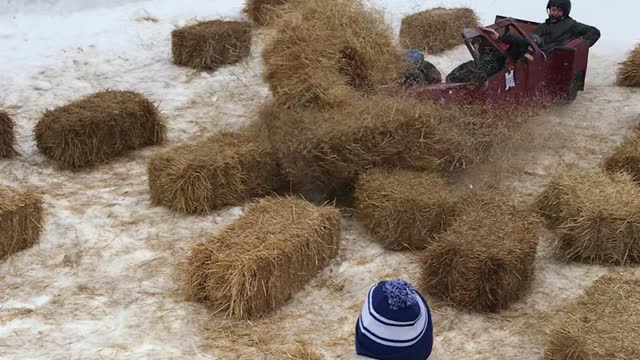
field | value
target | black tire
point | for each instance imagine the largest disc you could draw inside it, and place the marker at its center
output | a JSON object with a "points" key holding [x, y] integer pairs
{"points": [[577, 84]]}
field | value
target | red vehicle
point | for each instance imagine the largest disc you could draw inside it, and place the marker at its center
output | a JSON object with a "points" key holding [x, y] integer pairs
{"points": [[560, 75]]}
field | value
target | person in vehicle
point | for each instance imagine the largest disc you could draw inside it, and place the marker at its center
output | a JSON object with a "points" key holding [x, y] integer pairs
{"points": [[553, 33], [560, 27], [490, 60], [420, 71]]}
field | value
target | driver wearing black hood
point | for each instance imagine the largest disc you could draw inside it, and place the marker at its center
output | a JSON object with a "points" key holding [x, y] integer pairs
{"points": [[560, 27]]}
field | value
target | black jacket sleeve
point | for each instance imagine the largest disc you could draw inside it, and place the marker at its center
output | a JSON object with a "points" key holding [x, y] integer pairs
{"points": [[588, 33], [539, 30]]}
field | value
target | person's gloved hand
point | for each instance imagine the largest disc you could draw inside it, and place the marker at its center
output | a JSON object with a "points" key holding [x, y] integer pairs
{"points": [[492, 32]]}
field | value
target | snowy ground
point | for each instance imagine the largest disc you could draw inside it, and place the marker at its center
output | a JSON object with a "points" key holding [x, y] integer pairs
{"points": [[101, 285]]}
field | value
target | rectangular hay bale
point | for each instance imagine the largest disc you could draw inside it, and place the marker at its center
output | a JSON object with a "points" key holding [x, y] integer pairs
{"points": [[224, 169], [603, 323], [324, 151], [7, 136], [322, 52], [594, 217], [629, 71], [262, 12], [21, 217], [436, 29], [99, 127], [403, 209], [625, 157], [485, 260], [209, 45], [261, 260]]}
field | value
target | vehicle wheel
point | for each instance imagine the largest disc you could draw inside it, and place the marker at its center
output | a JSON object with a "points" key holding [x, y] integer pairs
{"points": [[577, 83]]}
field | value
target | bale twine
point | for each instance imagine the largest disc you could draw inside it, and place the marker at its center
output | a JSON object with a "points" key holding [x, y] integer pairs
{"points": [[437, 29], [625, 158], [7, 136], [21, 219], [261, 12], [324, 151], [260, 261], [485, 260], [322, 51], [629, 70], [595, 217], [209, 45], [225, 169], [98, 128], [603, 323], [403, 209]]}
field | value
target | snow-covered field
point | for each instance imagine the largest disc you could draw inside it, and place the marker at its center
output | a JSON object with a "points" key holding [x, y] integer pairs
{"points": [[100, 285]]}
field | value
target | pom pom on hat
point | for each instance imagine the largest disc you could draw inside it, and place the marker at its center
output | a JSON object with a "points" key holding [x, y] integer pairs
{"points": [[400, 294]]}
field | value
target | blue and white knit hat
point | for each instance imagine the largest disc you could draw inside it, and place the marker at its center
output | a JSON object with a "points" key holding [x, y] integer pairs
{"points": [[394, 324]]}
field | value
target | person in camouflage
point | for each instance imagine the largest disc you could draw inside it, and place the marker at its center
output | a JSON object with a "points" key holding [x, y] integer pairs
{"points": [[490, 60], [420, 71]]}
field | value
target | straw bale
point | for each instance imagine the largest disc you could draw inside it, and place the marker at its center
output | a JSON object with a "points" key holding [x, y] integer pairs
{"points": [[224, 169], [98, 128], [629, 70], [7, 136], [321, 151], [436, 29], [324, 151], [302, 351], [209, 45], [603, 323], [595, 217], [485, 260], [260, 261], [403, 209], [262, 12], [626, 158], [21, 218], [324, 50]]}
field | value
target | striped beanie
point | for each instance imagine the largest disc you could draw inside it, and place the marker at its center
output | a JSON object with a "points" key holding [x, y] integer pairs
{"points": [[394, 324]]}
